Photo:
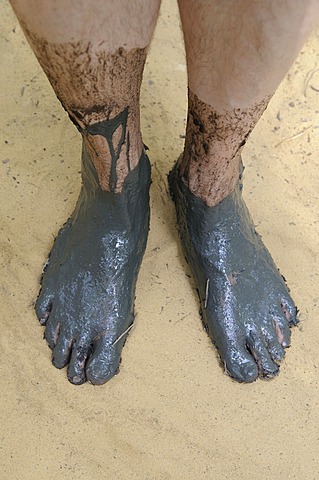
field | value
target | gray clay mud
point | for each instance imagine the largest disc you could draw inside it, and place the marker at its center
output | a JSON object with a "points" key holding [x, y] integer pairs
{"points": [[245, 305], [88, 286]]}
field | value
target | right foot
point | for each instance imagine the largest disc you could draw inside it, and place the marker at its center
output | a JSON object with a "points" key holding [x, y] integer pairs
{"points": [[87, 298]]}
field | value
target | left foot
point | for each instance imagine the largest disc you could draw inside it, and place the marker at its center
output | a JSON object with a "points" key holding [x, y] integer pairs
{"points": [[245, 304]]}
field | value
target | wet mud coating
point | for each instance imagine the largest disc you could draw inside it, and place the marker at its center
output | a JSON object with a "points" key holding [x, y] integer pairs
{"points": [[210, 164], [87, 298], [108, 130], [171, 413], [245, 305]]}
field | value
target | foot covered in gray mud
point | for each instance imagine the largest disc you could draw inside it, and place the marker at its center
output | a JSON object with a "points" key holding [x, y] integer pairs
{"points": [[88, 287], [245, 305]]}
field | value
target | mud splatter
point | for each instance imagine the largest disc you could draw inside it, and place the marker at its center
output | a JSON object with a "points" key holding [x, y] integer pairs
{"points": [[93, 87], [210, 164]]}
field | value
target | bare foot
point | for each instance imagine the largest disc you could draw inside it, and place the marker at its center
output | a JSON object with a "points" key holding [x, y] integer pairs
{"points": [[87, 298], [245, 304]]}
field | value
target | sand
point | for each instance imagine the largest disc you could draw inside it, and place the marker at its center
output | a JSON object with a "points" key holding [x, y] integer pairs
{"points": [[171, 413]]}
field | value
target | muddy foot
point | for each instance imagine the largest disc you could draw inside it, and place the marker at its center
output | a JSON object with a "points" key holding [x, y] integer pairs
{"points": [[87, 297], [245, 305]]}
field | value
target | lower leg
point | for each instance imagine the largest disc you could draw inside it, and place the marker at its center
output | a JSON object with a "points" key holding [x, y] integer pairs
{"points": [[237, 53], [93, 55]]}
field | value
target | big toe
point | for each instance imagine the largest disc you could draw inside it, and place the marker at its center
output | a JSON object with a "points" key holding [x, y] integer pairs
{"points": [[104, 362], [241, 366]]}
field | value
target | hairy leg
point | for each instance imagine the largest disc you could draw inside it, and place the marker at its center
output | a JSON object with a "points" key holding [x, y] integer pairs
{"points": [[93, 54], [237, 53]]}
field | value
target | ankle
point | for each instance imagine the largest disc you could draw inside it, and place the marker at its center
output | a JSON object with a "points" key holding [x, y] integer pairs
{"points": [[136, 178], [210, 164], [114, 147], [211, 186]]}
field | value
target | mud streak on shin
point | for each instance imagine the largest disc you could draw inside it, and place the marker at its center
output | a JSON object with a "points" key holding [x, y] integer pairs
{"points": [[108, 129]]}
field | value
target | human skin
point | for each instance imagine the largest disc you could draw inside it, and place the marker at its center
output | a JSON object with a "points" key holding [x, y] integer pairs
{"points": [[93, 54], [237, 53]]}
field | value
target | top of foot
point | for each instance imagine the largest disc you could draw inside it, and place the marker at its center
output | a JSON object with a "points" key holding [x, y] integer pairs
{"points": [[87, 296], [245, 304]]}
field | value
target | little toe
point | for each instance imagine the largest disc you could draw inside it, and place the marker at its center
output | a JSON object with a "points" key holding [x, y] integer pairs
{"points": [[241, 366], [43, 307], [267, 367], [290, 311], [62, 350], [104, 361], [79, 356], [282, 330]]}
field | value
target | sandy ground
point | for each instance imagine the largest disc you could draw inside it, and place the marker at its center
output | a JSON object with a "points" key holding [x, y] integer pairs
{"points": [[171, 413]]}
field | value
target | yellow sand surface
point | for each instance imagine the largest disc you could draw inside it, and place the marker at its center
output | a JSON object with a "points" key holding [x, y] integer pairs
{"points": [[171, 413]]}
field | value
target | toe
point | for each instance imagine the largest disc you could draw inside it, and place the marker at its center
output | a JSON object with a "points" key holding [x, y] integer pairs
{"points": [[275, 349], [104, 361], [256, 344], [62, 350], [76, 370], [289, 310], [241, 366], [51, 333], [43, 307], [282, 330]]}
